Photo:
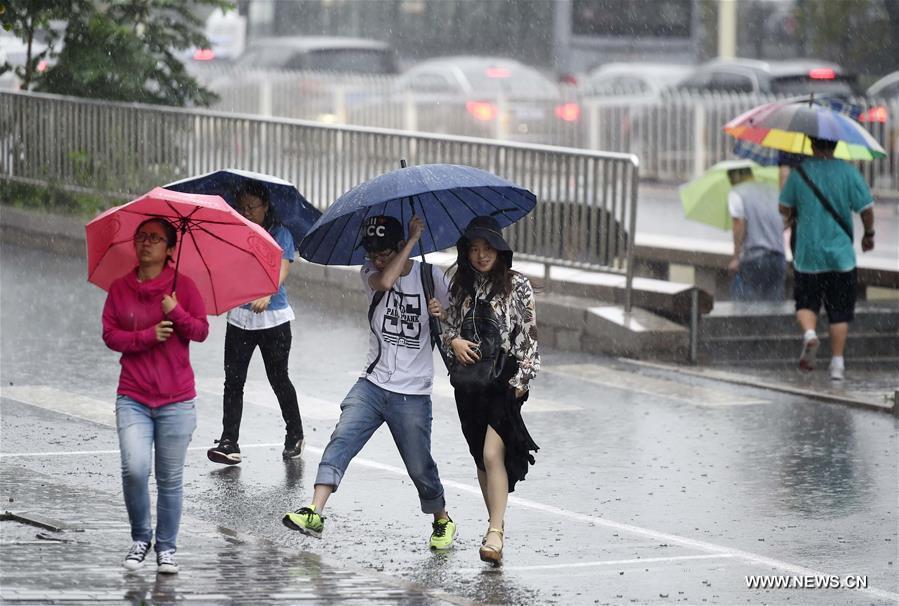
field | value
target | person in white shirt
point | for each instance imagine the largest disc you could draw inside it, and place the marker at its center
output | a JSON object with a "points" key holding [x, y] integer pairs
{"points": [[395, 387], [758, 264]]}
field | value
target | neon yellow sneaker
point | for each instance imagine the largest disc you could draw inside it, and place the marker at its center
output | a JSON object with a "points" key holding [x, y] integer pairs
{"points": [[443, 534], [305, 520]]}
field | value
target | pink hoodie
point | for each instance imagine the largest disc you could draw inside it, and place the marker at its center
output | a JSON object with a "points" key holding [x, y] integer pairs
{"points": [[154, 373]]}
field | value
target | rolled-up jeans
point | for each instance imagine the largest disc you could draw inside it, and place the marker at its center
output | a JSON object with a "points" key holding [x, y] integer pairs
{"points": [[169, 428], [364, 409]]}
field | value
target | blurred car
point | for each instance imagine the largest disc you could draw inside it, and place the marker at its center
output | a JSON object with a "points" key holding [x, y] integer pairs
{"points": [[613, 94], [633, 82], [798, 77], [488, 97], [320, 54]]}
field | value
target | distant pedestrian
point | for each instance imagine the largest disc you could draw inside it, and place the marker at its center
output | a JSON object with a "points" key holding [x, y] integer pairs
{"points": [[263, 323], [758, 264], [820, 196], [395, 387], [491, 326], [152, 327]]}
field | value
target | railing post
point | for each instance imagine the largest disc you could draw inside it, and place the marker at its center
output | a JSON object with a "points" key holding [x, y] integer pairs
{"points": [[631, 239], [698, 139], [694, 325]]}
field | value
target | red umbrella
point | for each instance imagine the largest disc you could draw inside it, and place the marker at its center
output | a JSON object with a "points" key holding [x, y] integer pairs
{"points": [[231, 260]]}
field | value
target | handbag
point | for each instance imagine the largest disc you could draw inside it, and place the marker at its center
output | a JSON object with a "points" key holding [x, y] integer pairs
{"points": [[495, 366]]}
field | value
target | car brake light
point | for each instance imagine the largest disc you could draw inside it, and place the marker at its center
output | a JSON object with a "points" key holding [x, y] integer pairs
{"points": [[569, 112], [481, 110], [822, 73], [498, 72], [874, 114], [204, 54]]}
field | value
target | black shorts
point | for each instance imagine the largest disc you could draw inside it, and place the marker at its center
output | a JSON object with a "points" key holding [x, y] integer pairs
{"points": [[835, 289]]}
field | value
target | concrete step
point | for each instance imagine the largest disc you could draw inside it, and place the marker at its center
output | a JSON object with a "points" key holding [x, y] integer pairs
{"points": [[728, 320], [788, 347]]}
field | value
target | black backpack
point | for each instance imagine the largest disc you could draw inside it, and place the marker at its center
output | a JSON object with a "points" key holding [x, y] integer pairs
{"points": [[495, 366]]}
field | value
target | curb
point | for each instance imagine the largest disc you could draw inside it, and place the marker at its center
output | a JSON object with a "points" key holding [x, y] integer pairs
{"points": [[735, 379]]}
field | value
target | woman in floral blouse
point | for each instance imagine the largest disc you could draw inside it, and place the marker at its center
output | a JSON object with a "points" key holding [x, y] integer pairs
{"points": [[491, 417]]}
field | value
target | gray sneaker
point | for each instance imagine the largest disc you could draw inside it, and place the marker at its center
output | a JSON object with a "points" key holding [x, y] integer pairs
{"points": [[165, 562]]}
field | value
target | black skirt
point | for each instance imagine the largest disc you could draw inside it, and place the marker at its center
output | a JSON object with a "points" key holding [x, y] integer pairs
{"points": [[501, 410]]}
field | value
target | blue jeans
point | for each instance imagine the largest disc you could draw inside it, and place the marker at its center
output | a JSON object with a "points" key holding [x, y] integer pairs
{"points": [[760, 279], [364, 409], [170, 427]]}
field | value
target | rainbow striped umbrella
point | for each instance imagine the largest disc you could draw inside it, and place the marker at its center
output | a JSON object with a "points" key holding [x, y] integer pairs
{"points": [[788, 126]]}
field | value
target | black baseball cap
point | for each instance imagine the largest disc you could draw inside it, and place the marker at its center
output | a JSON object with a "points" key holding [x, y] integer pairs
{"points": [[381, 232]]}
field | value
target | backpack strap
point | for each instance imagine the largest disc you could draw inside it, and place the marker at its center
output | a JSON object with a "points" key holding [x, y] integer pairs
{"points": [[824, 201], [376, 298]]}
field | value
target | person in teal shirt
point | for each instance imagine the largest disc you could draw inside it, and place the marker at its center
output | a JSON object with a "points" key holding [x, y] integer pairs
{"points": [[824, 259]]}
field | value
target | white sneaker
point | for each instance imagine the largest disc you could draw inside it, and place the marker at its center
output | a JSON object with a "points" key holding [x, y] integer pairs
{"points": [[809, 353], [165, 562], [837, 372], [136, 555]]}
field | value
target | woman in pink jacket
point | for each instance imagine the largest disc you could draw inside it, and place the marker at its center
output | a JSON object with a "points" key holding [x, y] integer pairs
{"points": [[152, 327]]}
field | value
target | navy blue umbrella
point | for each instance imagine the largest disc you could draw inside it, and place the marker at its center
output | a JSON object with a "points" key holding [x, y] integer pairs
{"points": [[445, 196], [291, 208]]}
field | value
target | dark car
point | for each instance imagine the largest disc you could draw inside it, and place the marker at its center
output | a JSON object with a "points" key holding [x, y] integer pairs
{"points": [[321, 54], [798, 77]]}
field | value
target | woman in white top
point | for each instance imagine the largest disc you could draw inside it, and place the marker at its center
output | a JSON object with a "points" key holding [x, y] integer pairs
{"points": [[263, 323]]}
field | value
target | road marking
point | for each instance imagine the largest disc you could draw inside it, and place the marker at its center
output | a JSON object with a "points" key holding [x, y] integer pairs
{"points": [[64, 402], [655, 535], [652, 386], [66, 453], [710, 556]]}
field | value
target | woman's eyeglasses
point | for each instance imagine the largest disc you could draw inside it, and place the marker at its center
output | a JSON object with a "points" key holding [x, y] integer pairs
{"points": [[151, 238], [249, 208]]}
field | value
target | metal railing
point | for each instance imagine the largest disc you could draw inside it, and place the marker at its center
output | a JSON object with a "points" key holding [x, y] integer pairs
{"points": [[677, 136], [585, 218]]}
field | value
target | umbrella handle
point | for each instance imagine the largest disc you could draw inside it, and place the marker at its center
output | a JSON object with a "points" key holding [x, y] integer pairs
{"points": [[421, 249], [183, 230]]}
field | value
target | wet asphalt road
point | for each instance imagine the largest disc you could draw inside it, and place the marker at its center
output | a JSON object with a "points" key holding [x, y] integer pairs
{"points": [[649, 487]]}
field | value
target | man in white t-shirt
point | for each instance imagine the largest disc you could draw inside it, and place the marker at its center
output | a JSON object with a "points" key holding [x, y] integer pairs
{"points": [[758, 263], [395, 387]]}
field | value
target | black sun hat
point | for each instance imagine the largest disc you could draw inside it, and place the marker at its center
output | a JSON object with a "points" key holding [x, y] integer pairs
{"points": [[488, 228]]}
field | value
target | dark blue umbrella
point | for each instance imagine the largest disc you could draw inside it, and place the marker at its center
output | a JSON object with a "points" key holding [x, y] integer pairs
{"points": [[291, 208], [445, 196]]}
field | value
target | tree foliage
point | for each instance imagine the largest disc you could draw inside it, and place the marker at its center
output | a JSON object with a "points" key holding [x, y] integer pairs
{"points": [[122, 50]]}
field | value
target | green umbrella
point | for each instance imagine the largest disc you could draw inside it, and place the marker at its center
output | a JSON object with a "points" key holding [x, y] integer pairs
{"points": [[705, 199]]}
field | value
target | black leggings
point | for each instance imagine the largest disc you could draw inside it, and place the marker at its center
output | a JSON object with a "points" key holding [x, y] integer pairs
{"points": [[274, 343]]}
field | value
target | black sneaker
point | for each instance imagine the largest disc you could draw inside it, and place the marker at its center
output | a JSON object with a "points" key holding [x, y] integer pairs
{"points": [[293, 449], [136, 555], [227, 452]]}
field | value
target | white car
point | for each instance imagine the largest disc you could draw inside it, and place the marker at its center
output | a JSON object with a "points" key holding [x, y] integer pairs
{"points": [[632, 81]]}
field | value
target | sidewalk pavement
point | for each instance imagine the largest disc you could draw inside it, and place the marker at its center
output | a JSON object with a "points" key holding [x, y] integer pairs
{"points": [[81, 564]]}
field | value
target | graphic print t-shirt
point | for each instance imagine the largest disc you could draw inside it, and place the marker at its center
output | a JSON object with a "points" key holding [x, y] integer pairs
{"points": [[401, 323]]}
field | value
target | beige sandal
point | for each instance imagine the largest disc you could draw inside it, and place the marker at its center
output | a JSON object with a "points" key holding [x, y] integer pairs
{"points": [[489, 553]]}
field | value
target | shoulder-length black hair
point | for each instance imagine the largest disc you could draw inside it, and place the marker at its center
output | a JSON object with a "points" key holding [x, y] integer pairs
{"points": [[171, 234], [463, 280], [253, 188]]}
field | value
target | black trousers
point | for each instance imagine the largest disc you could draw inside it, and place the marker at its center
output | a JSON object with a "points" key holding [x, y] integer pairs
{"points": [[274, 343]]}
